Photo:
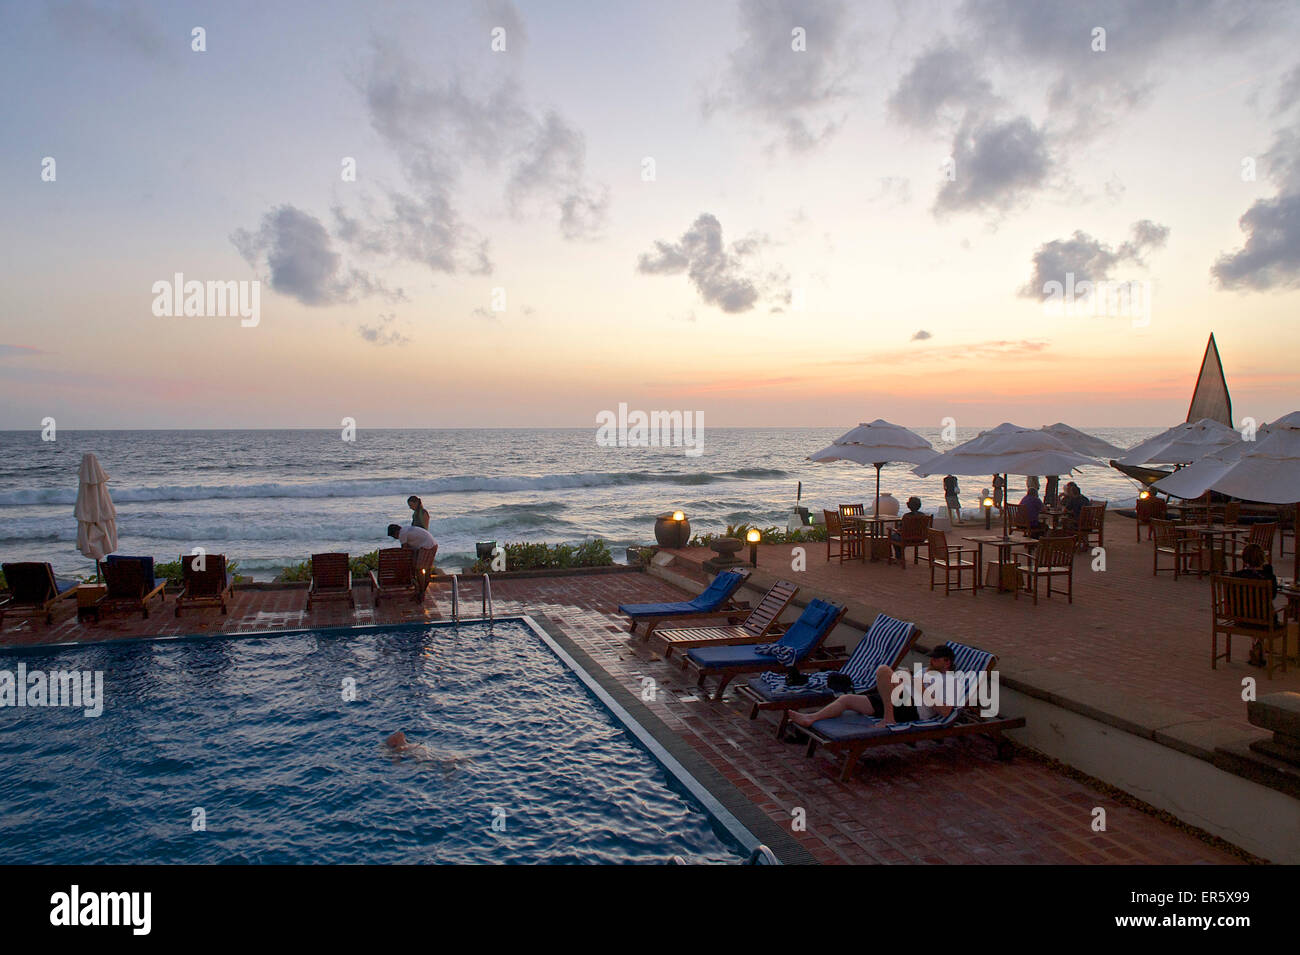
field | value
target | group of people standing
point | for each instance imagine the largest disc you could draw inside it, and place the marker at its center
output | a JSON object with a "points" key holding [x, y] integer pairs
{"points": [[1072, 500]]}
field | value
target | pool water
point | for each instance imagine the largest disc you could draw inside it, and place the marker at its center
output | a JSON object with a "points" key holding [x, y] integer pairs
{"points": [[520, 763]]}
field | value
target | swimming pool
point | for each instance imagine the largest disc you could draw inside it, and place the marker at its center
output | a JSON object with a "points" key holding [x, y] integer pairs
{"points": [[247, 750]]}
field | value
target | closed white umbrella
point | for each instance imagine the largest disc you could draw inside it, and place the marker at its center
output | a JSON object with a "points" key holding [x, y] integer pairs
{"points": [[1007, 449], [96, 515], [877, 444], [1265, 470], [1183, 443], [1082, 442]]}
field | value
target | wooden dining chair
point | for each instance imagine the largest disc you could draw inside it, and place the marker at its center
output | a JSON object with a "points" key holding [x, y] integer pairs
{"points": [[914, 529], [1152, 507], [1172, 542], [951, 559], [834, 534], [1244, 606], [1052, 557], [1261, 534]]}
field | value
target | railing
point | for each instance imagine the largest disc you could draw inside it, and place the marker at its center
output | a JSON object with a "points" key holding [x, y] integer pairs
{"points": [[488, 610], [455, 598], [487, 597], [762, 855]]}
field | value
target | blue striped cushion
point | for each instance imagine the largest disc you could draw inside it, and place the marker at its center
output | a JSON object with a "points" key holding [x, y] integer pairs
{"points": [[883, 643], [965, 660]]}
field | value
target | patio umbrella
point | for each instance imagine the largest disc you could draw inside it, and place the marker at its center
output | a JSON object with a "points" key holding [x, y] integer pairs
{"points": [[1082, 442], [877, 444], [1183, 443], [1265, 470], [96, 516], [1007, 449]]}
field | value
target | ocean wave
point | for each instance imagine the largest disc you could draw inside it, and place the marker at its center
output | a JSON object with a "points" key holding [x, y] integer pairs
{"points": [[386, 487]]}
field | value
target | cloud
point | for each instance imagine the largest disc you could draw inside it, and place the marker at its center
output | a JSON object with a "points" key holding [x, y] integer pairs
{"points": [[894, 190], [383, 333], [20, 351], [1089, 259], [503, 13], [723, 276], [800, 94], [440, 128], [295, 251], [943, 76], [997, 166], [1270, 257], [921, 336], [121, 25]]}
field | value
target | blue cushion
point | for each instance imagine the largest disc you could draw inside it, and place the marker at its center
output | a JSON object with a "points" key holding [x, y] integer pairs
{"points": [[714, 596], [782, 693], [146, 561], [711, 657], [851, 726]]}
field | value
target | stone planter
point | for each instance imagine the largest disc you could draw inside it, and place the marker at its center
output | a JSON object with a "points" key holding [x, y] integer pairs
{"points": [[671, 533]]}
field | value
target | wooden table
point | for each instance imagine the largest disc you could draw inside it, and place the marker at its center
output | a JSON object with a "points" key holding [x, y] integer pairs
{"points": [[1054, 517], [1212, 534], [1004, 546], [876, 529]]}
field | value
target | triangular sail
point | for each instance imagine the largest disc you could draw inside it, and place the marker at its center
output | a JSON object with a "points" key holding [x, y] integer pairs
{"points": [[1211, 398]]}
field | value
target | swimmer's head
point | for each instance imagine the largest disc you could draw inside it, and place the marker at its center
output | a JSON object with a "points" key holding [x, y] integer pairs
{"points": [[396, 741]]}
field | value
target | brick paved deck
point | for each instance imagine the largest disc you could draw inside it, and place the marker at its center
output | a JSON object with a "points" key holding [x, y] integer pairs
{"points": [[949, 802]]}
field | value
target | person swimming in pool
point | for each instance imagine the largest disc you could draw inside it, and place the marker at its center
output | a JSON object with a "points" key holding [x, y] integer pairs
{"points": [[399, 745]]}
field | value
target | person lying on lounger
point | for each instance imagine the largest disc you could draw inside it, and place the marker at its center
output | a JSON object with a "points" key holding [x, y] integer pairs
{"points": [[873, 703]]}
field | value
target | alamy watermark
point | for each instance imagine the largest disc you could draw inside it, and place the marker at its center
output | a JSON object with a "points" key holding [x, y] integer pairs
{"points": [[1088, 299], [953, 688], [654, 429], [193, 299], [77, 689]]}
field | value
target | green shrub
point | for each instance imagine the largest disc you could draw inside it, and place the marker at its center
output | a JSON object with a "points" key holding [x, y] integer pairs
{"points": [[771, 535], [171, 570], [294, 573], [526, 556]]}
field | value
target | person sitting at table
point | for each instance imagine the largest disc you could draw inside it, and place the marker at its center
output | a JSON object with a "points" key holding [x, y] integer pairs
{"points": [[908, 523], [1074, 502], [1255, 566], [1030, 508], [950, 492]]}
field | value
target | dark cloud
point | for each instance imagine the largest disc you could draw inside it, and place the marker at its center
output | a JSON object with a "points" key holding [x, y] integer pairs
{"points": [[998, 165], [942, 77], [440, 129], [293, 249], [921, 336], [724, 276], [1089, 259], [802, 95], [383, 332]]}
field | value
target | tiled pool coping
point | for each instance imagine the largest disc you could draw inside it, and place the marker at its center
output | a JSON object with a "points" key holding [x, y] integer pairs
{"points": [[740, 821]]}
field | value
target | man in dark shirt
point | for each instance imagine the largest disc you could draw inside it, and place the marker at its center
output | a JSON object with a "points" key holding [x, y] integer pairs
{"points": [[1073, 501], [1030, 507]]}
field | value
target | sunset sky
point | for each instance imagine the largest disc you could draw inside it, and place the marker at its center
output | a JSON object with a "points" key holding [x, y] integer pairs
{"points": [[804, 254]]}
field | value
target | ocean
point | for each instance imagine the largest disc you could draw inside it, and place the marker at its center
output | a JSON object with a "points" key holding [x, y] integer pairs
{"points": [[270, 498]]}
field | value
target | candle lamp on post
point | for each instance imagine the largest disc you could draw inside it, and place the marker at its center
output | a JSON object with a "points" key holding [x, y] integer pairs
{"points": [[753, 537]]}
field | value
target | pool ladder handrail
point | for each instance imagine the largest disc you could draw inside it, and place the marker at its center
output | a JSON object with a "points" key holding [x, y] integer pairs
{"points": [[489, 611], [487, 598], [762, 855], [455, 598]]}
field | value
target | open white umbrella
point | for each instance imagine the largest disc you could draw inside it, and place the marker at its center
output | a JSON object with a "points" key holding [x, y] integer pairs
{"points": [[1081, 441], [1265, 470], [96, 515], [1007, 449], [877, 444], [1183, 443]]}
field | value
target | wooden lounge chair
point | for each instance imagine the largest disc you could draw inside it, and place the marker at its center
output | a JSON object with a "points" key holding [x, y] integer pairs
{"points": [[949, 559], [886, 643], [759, 626], [834, 534], [131, 584], [33, 589], [914, 529], [1171, 542], [715, 603], [1244, 606], [852, 735], [1052, 557], [801, 641], [331, 577], [395, 575], [1260, 534], [211, 586], [1092, 523]]}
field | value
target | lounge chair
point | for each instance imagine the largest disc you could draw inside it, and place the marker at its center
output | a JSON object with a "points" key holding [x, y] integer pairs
{"points": [[131, 584], [798, 645], [211, 586], [33, 589], [714, 603], [887, 642], [853, 734], [331, 577], [759, 626], [395, 575]]}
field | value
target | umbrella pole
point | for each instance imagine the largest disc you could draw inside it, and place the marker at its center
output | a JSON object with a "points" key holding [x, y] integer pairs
{"points": [[876, 513], [1295, 542]]}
